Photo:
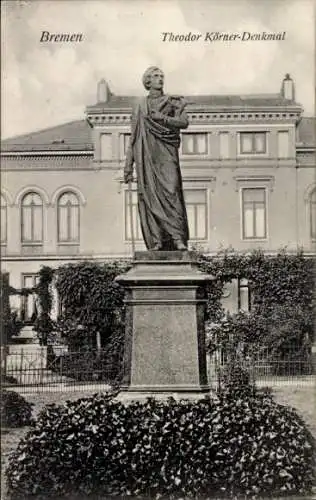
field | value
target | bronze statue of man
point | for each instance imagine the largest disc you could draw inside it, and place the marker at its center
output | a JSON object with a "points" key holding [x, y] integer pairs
{"points": [[154, 145]]}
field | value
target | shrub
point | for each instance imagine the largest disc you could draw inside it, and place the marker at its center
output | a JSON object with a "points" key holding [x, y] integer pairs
{"points": [[235, 380], [15, 410], [245, 446]]}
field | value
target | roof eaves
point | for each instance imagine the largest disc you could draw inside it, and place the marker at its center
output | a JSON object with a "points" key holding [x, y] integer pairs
{"points": [[45, 149], [225, 107], [45, 130]]}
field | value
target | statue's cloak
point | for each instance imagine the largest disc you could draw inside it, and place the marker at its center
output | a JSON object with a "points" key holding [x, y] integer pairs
{"points": [[161, 204]]}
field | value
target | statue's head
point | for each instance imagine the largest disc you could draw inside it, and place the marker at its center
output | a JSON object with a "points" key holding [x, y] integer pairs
{"points": [[153, 78]]}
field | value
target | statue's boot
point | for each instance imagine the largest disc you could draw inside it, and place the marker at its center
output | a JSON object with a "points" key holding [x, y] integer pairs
{"points": [[156, 247], [180, 245]]}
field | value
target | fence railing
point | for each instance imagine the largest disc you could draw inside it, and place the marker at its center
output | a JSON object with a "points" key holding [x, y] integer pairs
{"points": [[35, 368], [56, 368], [264, 365]]}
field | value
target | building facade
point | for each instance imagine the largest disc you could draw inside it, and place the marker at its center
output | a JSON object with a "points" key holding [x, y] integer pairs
{"points": [[248, 168]]}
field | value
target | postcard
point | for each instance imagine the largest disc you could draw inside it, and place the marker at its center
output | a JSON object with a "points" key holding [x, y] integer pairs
{"points": [[152, 150]]}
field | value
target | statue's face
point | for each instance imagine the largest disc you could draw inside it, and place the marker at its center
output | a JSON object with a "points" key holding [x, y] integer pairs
{"points": [[157, 80]]}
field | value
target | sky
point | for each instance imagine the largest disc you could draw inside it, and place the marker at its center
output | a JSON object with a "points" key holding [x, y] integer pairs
{"points": [[47, 84]]}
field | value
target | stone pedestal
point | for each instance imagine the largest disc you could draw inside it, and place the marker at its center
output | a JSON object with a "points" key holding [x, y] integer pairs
{"points": [[165, 339]]}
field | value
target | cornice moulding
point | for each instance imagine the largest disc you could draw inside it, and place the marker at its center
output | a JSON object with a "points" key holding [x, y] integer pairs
{"points": [[191, 108], [204, 116], [39, 153], [254, 181], [125, 256]]}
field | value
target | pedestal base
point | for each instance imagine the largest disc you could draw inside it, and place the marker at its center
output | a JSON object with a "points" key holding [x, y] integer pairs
{"points": [[165, 340]]}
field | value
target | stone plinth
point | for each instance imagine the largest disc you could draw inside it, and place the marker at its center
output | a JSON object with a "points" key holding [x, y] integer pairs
{"points": [[165, 338]]}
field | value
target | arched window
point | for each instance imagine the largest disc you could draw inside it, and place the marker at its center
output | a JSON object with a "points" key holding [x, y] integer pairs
{"points": [[32, 219], [4, 220], [312, 214], [68, 218]]}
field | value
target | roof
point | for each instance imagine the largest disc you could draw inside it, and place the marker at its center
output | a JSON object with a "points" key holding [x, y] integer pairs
{"points": [[307, 131], [76, 136], [72, 136], [221, 101]]}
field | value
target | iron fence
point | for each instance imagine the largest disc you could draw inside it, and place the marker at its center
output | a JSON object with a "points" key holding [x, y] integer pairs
{"points": [[34, 369], [265, 366], [57, 369]]}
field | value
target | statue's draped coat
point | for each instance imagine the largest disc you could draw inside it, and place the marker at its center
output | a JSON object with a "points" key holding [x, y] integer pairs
{"points": [[154, 149]]}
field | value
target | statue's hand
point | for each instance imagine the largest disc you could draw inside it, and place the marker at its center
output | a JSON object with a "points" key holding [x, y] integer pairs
{"points": [[128, 177], [156, 115]]}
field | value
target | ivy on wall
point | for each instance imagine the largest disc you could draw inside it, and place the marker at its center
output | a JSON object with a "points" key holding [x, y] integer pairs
{"points": [[282, 314], [275, 281], [43, 324], [282, 291], [10, 323], [91, 301]]}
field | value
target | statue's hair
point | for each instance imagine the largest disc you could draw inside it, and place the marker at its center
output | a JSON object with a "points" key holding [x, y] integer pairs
{"points": [[147, 76]]}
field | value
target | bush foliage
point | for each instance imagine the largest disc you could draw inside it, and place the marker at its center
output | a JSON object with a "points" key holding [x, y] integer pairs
{"points": [[43, 324], [10, 324], [230, 446], [280, 280], [282, 314], [91, 299], [15, 410], [282, 295]]}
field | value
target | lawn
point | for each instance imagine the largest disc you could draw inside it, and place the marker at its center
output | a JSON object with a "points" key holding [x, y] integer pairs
{"points": [[303, 399], [300, 397]]}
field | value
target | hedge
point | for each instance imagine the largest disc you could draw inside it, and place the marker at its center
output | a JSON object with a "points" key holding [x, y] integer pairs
{"points": [[245, 446], [15, 410]]}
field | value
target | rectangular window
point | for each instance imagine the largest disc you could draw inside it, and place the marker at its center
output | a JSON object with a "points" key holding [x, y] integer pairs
{"points": [[28, 307], [132, 222], [254, 213], [237, 296], [283, 144], [196, 205], [124, 144], [253, 143], [244, 298], [106, 146], [224, 145], [194, 144]]}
